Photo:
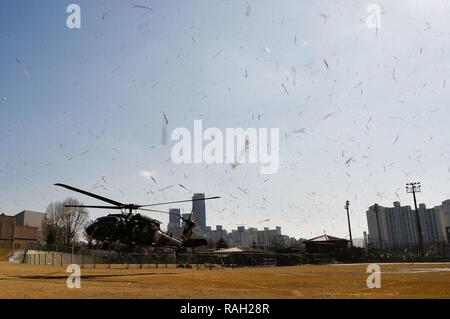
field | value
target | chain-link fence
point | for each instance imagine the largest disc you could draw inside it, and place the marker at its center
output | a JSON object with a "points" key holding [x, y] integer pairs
{"points": [[64, 255]]}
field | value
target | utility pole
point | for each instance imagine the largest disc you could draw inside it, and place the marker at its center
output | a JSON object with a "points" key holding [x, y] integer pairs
{"points": [[378, 227], [415, 188], [347, 205]]}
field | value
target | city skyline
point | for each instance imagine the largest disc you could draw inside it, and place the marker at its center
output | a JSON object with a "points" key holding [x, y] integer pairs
{"points": [[175, 221], [360, 111]]}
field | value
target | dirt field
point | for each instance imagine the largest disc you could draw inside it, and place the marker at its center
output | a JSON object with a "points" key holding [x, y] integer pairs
{"points": [[309, 281], [3, 253]]}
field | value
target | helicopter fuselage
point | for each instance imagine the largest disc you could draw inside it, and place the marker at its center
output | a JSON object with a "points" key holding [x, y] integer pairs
{"points": [[134, 230]]}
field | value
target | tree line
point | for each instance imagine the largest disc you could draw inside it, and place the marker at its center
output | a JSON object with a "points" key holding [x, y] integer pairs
{"points": [[65, 225]]}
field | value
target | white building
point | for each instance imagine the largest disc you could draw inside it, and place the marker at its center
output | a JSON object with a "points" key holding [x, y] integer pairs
{"points": [[396, 227]]}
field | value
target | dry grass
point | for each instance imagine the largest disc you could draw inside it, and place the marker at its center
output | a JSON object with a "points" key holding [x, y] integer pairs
{"points": [[4, 252], [308, 281]]}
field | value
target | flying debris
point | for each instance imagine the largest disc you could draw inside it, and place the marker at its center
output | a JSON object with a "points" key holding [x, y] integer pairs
{"points": [[217, 54], [248, 11], [325, 17], [393, 75], [142, 7], [300, 131], [349, 160], [294, 75], [326, 64], [326, 117], [285, 90], [165, 118], [99, 186], [397, 118], [396, 139], [242, 190], [165, 188], [234, 165], [182, 186], [25, 69], [164, 130]]}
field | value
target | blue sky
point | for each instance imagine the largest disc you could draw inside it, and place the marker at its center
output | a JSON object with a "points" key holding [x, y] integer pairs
{"points": [[85, 106]]}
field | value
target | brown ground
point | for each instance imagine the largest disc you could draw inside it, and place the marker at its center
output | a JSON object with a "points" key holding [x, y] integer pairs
{"points": [[308, 281], [3, 253]]}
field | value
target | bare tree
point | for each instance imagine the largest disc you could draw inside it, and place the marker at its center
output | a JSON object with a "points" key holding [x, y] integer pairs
{"points": [[63, 224]]}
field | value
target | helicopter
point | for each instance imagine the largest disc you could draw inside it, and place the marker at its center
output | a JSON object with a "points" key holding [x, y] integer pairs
{"points": [[131, 229]]}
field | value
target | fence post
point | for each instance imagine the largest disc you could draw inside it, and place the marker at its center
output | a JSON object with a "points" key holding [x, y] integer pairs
{"points": [[62, 262]]}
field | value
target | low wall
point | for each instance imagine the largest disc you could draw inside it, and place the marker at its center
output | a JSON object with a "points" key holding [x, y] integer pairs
{"points": [[36, 257]]}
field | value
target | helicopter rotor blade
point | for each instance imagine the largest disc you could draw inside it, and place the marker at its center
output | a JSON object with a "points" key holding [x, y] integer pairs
{"points": [[92, 206], [160, 211], [113, 202], [180, 201]]}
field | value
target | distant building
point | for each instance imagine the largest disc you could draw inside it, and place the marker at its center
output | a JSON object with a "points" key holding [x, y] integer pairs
{"points": [[32, 219], [198, 209], [19, 230], [243, 237], [174, 217], [174, 226], [268, 237], [366, 239], [215, 235], [396, 227], [443, 212], [326, 244]]}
